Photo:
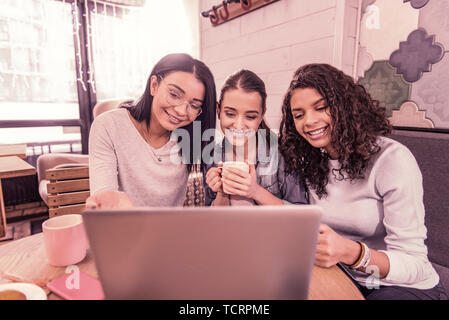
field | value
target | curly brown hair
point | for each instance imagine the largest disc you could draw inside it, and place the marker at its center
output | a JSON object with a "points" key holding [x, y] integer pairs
{"points": [[357, 122]]}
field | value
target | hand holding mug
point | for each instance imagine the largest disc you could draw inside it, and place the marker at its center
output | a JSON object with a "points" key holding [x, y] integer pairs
{"points": [[213, 178], [239, 178]]}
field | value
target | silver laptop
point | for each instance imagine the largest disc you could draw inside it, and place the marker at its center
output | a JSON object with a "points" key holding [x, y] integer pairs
{"points": [[219, 253]]}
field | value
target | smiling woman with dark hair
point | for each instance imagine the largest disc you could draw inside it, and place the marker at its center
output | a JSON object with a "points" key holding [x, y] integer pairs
{"points": [[135, 152], [247, 138], [369, 186]]}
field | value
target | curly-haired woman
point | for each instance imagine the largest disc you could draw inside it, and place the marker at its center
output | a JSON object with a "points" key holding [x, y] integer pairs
{"points": [[369, 186]]}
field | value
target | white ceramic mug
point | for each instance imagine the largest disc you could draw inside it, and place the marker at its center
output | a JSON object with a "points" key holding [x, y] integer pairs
{"points": [[237, 165], [65, 240]]}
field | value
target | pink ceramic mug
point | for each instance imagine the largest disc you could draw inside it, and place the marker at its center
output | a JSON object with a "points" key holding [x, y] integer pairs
{"points": [[65, 240]]}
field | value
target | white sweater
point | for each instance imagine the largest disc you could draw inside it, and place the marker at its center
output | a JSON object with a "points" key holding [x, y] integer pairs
{"points": [[120, 159], [386, 211]]}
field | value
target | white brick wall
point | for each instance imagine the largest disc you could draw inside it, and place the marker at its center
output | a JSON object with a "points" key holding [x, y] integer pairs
{"points": [[275, 40]]}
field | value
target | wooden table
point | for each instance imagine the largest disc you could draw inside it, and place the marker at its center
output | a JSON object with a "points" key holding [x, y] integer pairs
{"points": [[10, 167], [18, 150], [24, 260]]}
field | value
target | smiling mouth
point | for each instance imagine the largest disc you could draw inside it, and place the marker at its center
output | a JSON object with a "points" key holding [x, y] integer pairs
{"points": [[239, 133], [173, 119], [318, 133]]}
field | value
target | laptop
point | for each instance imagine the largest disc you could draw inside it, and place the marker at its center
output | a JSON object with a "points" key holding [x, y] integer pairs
{"points": [[204, 253]]}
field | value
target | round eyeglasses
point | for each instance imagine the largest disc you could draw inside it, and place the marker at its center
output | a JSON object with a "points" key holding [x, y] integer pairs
{"points": [[175, 98]]}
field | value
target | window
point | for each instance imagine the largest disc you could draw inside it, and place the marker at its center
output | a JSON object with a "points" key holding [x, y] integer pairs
{"points": [[37, 69], [58, 57], [36, 60], [128, 41], [120, 50]]}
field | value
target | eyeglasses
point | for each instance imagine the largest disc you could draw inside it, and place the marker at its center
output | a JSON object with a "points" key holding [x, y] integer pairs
{"points": [[175, 98]]}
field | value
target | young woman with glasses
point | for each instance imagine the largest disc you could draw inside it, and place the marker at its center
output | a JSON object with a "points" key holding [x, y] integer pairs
{"points": [[134, 152]]}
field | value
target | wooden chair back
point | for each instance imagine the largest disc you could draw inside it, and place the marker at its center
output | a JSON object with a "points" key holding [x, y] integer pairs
{"points": [[68, 189]]}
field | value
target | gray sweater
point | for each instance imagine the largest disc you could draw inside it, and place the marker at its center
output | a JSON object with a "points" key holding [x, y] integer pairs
{"points": [[120, 159], [386, 211]]}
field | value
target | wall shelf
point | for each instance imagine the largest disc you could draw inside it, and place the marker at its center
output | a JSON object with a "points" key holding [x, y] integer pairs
{"points": [[230, 9]]}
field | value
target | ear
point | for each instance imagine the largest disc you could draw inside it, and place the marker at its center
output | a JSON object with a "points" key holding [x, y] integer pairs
{"points": [[154, 85], [218, 109]]}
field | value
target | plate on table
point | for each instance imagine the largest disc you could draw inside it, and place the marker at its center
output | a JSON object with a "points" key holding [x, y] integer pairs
{"points": [[21, 291]]}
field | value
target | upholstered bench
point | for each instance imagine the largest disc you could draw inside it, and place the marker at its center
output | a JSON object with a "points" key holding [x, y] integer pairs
{"points": [[431, 151]]}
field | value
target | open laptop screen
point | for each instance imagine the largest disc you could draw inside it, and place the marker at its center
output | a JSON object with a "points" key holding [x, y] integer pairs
{"points": [[230, 253]]}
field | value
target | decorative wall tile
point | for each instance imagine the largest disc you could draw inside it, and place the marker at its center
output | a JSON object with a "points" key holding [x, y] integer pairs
{"points": [[435, 19], [384, 25], [431, 93], [417, 4], [416, 55], [409, 115], [385, 85]]}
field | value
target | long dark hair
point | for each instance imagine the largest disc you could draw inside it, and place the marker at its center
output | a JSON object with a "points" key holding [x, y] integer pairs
{"points": [[141, 108], [248, 81], [357, 122]]}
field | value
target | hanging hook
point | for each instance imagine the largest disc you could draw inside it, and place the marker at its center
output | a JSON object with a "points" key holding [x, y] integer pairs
{"points": [[225, 16], [246, 4], [214, 18]]}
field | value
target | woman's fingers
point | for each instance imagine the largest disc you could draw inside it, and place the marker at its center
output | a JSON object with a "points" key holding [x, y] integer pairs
{"points": [[212, 176], [324, 228], [231, 176], [215, 184], [322, 251], [233, 191], [234, 185], [212, 173], [91, 203], [124, 201], [236, 172], [109, 199], [213, 179], [209, 174]]}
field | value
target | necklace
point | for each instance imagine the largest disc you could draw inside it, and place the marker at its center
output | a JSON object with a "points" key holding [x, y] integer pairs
{"points": [[159, 158], [147, 139]]}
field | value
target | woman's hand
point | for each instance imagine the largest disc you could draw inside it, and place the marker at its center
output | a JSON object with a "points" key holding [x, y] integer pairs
{"points": [[333, 248], [239, 182], [109, 199], [213, 178]]}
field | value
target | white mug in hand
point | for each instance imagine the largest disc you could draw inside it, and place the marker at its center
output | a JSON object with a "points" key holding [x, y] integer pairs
{"points": [[233, 164]]}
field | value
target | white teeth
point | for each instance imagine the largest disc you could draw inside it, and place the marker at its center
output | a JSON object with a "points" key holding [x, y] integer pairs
{"points": [[239, 133], [174, 119], [312, 133]]}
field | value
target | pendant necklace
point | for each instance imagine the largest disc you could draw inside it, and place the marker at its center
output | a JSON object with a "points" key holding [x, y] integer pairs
{"points": [[147, 138], [159, 158]]}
